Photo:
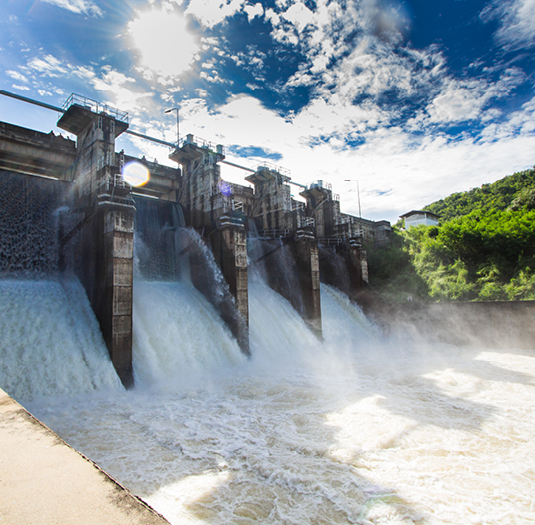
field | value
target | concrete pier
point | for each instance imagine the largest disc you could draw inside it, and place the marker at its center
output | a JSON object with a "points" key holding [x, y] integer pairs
{"points": [[106, 242], [45, 482], [210, 207], [114, 285], [229, 245], [306, 254]]}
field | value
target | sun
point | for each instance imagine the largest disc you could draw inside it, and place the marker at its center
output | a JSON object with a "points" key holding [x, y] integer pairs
{"points": [[167, 47]]}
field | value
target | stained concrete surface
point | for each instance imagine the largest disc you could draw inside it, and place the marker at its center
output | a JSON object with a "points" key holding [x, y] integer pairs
{"points": [[46, 482]]}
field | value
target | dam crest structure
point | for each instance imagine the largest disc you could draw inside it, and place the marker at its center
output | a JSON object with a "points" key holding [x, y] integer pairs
{"points": [[99, 221]]}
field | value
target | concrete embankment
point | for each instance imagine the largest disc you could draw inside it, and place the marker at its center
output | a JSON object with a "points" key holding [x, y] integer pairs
{"points": [[43, 481]]}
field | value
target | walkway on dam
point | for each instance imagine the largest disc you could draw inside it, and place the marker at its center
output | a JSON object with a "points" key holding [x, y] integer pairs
{"points": [[43, 481]]}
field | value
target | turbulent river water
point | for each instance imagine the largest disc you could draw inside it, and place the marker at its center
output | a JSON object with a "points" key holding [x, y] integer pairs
{"points": [[358, 429]]}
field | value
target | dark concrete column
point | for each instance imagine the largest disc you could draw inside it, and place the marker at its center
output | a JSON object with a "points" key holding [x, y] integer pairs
{"points": [[354, 269], [307, 258], [229, 245], [115, 241]]}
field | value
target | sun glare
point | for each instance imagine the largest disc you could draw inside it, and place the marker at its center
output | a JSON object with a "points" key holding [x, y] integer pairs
{"points": [[167, 46], [136, 174]]}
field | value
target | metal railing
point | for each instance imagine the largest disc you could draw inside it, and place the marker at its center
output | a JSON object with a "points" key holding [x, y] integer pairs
{"points": [[272, 167], [320, 184], [306, 222], [114, 190], [201, 143], [95, 107], [226, 220]]}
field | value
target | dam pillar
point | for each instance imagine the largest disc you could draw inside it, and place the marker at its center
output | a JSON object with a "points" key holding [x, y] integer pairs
{"points": [[113, 305], [307, 259], [229, 246], [355, 263], [209, 208], [105, 233], [357, 267]]}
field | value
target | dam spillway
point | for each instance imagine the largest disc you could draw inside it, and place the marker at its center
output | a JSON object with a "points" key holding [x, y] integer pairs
{"points": [[94, 237]]}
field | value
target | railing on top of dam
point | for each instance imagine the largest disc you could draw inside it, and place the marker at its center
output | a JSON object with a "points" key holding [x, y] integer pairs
{"points": [[95, 106]]}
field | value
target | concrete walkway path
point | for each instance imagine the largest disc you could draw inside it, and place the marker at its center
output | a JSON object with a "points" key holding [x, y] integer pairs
{"points": [[43, 481]]}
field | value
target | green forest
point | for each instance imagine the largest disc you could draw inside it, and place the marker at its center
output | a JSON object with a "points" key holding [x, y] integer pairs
{"points": [[482, 250]]}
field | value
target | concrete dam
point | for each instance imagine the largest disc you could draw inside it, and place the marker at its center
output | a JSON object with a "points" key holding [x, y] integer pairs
{"points": [[67, 206], [261, 392]]}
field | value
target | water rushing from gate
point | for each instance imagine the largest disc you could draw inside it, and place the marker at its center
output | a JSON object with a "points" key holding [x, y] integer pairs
{"points": [[357, 429]]}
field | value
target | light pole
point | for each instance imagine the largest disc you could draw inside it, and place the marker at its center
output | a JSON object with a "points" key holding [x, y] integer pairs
{"points": [[177, 123], [358, 193]]}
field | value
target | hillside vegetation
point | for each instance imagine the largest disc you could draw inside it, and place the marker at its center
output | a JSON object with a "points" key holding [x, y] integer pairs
{"points": [[484, 248]]}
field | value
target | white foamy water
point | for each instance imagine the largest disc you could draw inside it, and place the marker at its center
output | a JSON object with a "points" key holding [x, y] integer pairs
{"points": [[357, 429], [50, 342], [178, 337]]}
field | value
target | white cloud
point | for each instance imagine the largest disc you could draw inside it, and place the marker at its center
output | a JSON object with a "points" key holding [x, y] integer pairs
{"points": [[299, 16], [414, 171], [253, 11], [212, 12], [462, 101], [457, 104], [517, 22], [81, 7], [15, 75], [47, 65], [165, 43], [348, 56]]}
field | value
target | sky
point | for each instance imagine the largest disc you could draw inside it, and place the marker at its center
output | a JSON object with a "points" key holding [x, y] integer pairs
{"points": [[414, 99]]}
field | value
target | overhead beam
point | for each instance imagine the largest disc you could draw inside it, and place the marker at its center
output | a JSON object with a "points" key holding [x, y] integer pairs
{"points": [[31, 101], [129, 131], [61, 110]]}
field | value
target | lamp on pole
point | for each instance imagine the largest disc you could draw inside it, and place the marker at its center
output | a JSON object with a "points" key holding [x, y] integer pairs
{"points": [[177, 123], [358, 193]]}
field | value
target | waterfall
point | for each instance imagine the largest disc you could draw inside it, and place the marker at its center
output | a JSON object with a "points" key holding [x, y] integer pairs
{"points": [[51, 342], [30, 209], [178, 336], [158, 240]]}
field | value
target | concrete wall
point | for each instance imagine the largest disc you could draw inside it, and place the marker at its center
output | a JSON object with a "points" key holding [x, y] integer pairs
{"points": [[27, 151]]}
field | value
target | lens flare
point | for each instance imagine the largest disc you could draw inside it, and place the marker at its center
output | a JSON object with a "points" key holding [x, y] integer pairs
{"points": [[225, 188], [136, 174]]}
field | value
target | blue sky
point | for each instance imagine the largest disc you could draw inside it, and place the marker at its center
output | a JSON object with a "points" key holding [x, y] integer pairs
{"points": [[415, 99]]}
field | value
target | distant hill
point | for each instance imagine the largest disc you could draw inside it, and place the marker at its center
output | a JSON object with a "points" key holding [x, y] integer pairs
{"points": [[512, 192], [483, 249]]}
